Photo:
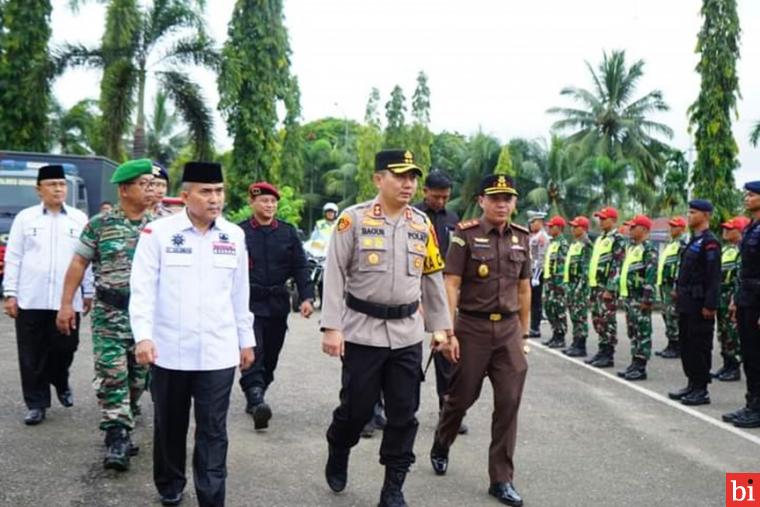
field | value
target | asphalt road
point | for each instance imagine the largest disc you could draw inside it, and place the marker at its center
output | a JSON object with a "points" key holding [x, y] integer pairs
{"points": [[585, 438]]}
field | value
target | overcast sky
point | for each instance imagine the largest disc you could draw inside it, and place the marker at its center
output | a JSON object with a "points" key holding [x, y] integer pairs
{"points": [[492, 64]]}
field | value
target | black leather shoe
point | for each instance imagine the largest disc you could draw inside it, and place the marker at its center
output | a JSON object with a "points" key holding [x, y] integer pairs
{"points": [[730, 374], [698, 396], [575, 351], [463, 429], [637, 373], [670, 353], [391, 494], [557, 343], [262, 413], [677, 395], [171, 499], [66, 397], [731, 416], [368, 431], [439, 458], [749, 419], [594, 358], [506, 493], [34, 416], [336, 469]]}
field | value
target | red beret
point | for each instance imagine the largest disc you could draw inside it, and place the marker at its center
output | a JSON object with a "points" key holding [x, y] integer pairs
{"points": [[263, 188], [607, 213]]}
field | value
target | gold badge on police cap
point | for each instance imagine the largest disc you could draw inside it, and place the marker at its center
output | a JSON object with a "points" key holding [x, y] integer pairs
{"points": [[483, 270]]}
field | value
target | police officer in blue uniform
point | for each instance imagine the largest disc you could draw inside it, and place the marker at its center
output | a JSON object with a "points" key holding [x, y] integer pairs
{"points": [[275, 254], [747, 308], [697, 295]]}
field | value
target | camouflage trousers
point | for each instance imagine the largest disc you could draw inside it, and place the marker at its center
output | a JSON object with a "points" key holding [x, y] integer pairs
{"points": [[669, 314], [604, 317], [728, 332], [119, 381], [554, 307], [639, 326], [577, 306]]}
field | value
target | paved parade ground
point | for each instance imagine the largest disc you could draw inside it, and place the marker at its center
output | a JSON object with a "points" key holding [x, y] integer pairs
{"points": [[585, 438]]}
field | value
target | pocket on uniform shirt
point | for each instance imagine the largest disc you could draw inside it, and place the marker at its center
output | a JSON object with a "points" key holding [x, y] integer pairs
{"points": [[35, 237], [373, 254], [225, 261], [482, 267], [179, 259], [415, 258], [516, 260]]}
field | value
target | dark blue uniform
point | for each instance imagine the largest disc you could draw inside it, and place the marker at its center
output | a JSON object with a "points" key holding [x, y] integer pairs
{"points": [[698, 287], [444, 222], [748, 311], [275, 254]]}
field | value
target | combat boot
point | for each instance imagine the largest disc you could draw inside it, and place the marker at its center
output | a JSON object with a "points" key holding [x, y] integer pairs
{"points": [[548, 343], [623, 373], [751, 416], [577, 349], [595, 357], [720, 371], [558, 343], [732, 373], [117, 449], [678, 395], [336, 469], [638, 370], [606, 359], [697, 396], [391, 494], [672, 351], [257, 407]]}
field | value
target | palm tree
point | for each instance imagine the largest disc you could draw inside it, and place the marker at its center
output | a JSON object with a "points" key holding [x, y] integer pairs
{"points": [[164, 142], [75, 130], [481, 159], [611, 123], [158, 39], [341, 184]]}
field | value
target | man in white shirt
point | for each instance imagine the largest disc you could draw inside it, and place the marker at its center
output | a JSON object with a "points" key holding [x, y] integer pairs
{"points": [[190, 318], [40, 246]]}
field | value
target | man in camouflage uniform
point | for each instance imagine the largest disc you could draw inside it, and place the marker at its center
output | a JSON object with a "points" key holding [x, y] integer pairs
{"points": [[108, 241], [554, 290], [667, 274], [728, 333], [606, 260], [637, 281], [575, 279]]}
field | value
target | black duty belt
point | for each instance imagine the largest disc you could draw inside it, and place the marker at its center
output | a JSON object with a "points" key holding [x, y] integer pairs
{"points": [[492, 316], [380, 311], [115, 298]]}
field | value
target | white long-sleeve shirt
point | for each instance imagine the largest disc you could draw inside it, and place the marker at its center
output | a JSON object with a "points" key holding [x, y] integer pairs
{"points": [[189, 293], [40, 247]]}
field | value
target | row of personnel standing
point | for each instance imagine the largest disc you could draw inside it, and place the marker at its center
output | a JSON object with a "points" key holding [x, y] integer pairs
{"points": [[698, 281]]}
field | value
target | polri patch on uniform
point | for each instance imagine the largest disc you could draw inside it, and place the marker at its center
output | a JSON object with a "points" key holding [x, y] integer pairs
{"points": [[344, 222]]}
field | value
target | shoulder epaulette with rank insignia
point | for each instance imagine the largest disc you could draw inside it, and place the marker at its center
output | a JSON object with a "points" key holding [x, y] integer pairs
{"points": [[468, 224], [519, 228]]}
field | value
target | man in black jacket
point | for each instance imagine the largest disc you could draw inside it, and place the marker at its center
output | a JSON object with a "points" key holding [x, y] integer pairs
{"points": [[275, 254], [697, 295]]}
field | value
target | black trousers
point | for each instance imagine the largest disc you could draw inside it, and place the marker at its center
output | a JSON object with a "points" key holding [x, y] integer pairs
{"points": [[172, 392], [368, 371], [749, 335], [443, 372], [270, 336], [44, 355], [696, 336], [536, 306]]}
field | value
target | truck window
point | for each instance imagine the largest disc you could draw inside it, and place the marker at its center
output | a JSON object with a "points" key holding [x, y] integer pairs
{"points": [[18, 192]]}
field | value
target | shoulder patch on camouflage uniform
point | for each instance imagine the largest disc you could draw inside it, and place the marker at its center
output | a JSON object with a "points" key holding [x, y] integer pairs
{"points": [[468, 224]]}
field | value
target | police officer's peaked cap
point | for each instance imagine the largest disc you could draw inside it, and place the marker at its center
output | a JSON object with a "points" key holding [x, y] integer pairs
{"points": [[202, 172], [494, 184], [50, 172], [753, 186], [263, 188], [159, 171], [396, 161], [132, 169], [701, 205]]}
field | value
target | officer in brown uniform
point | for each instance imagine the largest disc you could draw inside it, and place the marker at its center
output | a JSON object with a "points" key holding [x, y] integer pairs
{"points": [[383, 261], [488, 270]]}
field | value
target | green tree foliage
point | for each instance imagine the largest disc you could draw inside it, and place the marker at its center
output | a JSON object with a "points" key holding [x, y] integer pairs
{"points": [[291, 171], [561, 189], [673, 186], [255, 75], [141, 41], [25, 74], [289, 208], [710, 114], [76, 130], [395, 128], [481, 159], [419, 136], [504, 164], [754, 135], [368, 143], [164, 137]]}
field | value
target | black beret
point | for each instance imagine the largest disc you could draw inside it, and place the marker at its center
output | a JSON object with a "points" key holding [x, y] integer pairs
{"points": [[497, 184], [160, 172], [202, 172], [51, 172], [701, 205], [396, 161], [753, 186]]}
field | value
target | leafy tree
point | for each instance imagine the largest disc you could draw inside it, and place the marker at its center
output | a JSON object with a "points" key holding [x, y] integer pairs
{"points": [[710, 114], [754, 136], [289, 208], [673, 187], [608, 180], [395, 129], [163, 137], [504, 164], [75, 130], [368, 143], [139, 41], [448, 152], [291, 160], [340, 185], [25, 74], [482, 156], [255, 75]]}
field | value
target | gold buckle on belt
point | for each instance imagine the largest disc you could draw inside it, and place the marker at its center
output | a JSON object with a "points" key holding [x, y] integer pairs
{"points": [[494, 317]]}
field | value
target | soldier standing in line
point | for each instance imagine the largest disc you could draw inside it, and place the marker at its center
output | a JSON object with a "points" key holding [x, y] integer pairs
{"points": [[539, 241], [382, 262], [108, 243], [606, 260], [554, 289], [667, 274], [575, 278], [637, 281], [698, 294], [746, 307], [488, 280], [728, 334]]}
